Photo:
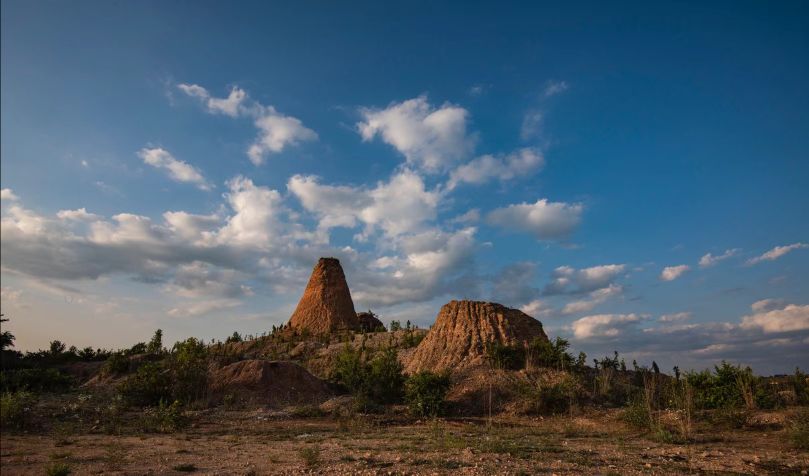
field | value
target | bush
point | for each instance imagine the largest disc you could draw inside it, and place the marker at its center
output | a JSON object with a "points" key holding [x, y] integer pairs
{"points": [[165, 418], [148, 386], [310, 455], [116, 364], [385, 381], [58, 469], [544, 353], [636, 413], [15, 409], [189, 368], [425, 393], [502, 356], [799, 431], [35, 380], [549, 399], [378, 382], [719, 389]]}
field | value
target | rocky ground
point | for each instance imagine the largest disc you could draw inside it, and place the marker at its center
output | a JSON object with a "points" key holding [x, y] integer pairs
{"points": [[262, 442]]}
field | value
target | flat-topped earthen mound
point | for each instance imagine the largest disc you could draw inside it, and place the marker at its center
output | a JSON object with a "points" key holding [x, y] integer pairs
{"points": [[326, 304], [463, 330], [270, 383]]}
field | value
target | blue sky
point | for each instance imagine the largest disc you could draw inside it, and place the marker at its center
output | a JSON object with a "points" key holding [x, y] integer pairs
{"points": [[183, 165]]}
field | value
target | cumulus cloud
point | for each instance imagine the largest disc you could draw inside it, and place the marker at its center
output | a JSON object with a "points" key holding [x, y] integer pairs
{"points": [[276, 131], [431, 138], [595, 298], [537, 309], [709, 260], [178, 170], [675, 317], [603, 325], [773, 317], [8, 194], [485, 168], [398, 206], [199, 308], [80, 215], [545, 220], [229, 106], [531, 124], [569, 280], [670, 273], [777, 252]]}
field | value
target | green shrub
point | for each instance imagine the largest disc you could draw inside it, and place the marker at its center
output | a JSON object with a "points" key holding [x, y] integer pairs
{"points": [[549, 399], [800, 383], [116, 364], [799, 431], [165, 418], [35, 380], [189, 368], [151, 384], [58, 469], [310, 455], [636, 413], [545, 353], [503, 356], [384, 379], [349, 370], [719, 389], [15, 409], [425, 393]]}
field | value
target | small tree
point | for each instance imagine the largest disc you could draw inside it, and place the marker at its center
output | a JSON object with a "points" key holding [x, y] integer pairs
{"points": [[425, 393], [155, 345], [395, 326]]}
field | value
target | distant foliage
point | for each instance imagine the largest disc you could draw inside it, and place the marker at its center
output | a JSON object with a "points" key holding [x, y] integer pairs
{"points": [[16, 409], [545, 353], [235, 337], [35, 380], [117, 364], [155, 345], [506, 357], [729, 386], [425, 393], [381, 380], [395, 326]]}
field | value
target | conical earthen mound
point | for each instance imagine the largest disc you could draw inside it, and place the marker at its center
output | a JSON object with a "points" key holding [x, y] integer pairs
{"points": [[462, 331], [326, 304]]}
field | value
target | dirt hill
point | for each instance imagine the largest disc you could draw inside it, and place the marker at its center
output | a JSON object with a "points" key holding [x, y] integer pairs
{"points": [[326, 304], [462, 331], [369, 322], [270, 383]]}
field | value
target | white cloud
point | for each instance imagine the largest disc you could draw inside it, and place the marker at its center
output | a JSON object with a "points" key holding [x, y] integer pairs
{"points": [[603, 325], [430, 138], [552, 88], [482, 169], [709, 260], [229, 106], [178, 170], [10, 295], [777, 252], [670, 273], [402, 205], [8, 194], [566, 279], [80, 214], [537, 309], [256, 221], [545, 220], [768, 305], [199, 308], [595, 298], [782, 318], [276, 131], [531, 124], [675, 317]]}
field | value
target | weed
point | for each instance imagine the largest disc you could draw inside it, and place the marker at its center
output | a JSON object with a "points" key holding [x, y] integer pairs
{"points": [[15, 409], [310, 456], [799, 431], [58, 469]]}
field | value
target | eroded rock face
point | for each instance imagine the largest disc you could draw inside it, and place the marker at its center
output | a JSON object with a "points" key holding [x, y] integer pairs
{"points": [[462, 331], [326, 304]]}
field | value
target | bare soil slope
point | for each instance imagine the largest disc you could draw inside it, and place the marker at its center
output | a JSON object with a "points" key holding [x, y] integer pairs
{"points": [[462, 331], [269, 383]]}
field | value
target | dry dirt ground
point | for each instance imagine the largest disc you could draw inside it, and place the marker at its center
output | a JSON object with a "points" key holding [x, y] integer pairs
{"points": [[259, 442]]}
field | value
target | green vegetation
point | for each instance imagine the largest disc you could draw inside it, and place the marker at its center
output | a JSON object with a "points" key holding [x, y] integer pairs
{"points": [[310, 455], [15, 409], [425, 393], [380, 381], [58, 469]]}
